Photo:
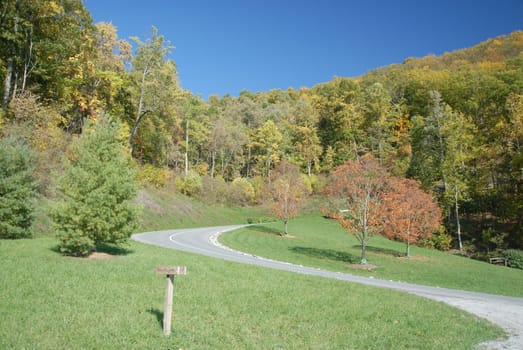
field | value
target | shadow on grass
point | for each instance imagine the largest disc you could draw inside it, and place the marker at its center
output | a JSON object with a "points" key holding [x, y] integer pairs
{"points": [[102, 248], [113, 249], [328, 254], [266, 229], [383, 251], [158, 314]]}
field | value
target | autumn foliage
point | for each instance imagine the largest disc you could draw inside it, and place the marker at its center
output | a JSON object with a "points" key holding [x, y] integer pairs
{"points": [[408, 212], [288, 192], [370, 201], [357, 188]]}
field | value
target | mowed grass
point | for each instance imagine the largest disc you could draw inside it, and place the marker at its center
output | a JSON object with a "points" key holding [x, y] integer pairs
{"points": [[319, 242], [48, 301]]}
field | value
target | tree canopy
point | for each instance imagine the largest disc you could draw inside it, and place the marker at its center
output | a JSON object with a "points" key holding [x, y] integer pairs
{"points": [[452, 122]]}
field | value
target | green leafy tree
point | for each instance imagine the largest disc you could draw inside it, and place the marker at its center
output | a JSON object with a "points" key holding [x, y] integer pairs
{"points": [[338, 105], [444, 146], [460, 150], [265, 144], [155, 92], [380, 120], [17, 189], [94, 194]]}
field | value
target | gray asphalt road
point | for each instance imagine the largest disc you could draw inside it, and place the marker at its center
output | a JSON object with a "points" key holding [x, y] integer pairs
{"points": [[507, 312]]}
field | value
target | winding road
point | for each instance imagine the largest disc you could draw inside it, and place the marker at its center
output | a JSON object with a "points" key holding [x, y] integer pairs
{"points": [[506, 312]]}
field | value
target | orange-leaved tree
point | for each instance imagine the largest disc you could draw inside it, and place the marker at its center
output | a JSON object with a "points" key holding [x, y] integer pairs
{"points": [[357, 188], [288, 191], [409, 213]]}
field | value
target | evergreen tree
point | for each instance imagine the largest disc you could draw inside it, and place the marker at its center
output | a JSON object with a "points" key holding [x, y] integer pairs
{"points": [[95, 190], [17, 190]]}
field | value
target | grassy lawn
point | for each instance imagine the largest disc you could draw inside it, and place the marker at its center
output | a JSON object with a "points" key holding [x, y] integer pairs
{"points": [[52, 302], [320, 242]]}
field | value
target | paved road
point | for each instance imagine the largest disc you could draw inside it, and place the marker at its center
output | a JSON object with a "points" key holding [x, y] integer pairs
{"points": [[507, 312]]}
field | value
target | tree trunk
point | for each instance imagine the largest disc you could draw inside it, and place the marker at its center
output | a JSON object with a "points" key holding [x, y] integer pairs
{"points": [[285, 227], [213, 162], [408, 240], [364, 229], [458, 226], [7, 83], [140, 112], [249, 161], [27, 61], [135, 130], [186, 147], [364, 249], [10, 66]]}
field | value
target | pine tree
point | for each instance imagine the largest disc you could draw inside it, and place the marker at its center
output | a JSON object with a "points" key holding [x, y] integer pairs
{"points": [[17, 189], [94, 193]]}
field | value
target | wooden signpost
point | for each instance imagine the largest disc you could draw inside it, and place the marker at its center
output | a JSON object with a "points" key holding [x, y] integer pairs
{"points": [[169, 272]]}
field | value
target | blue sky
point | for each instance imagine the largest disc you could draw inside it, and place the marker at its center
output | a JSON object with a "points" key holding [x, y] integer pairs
{"points": [[225, 46]]}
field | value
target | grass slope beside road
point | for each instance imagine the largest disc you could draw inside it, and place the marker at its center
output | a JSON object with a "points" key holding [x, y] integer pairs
{"points": [[165, 209], [319, 242], [54, 302]]}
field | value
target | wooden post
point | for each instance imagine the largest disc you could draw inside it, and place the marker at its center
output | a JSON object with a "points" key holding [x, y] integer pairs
{"points": [[169, 272], [168, 305]]}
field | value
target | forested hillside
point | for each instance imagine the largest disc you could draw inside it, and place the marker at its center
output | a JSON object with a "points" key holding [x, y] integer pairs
{"points": [[454, 122]]}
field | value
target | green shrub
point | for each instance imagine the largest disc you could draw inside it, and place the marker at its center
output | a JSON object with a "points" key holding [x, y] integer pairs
{"points": [[308, 183], [93, 205], [17, 189], [151, 175], [189, 185], [514, 258], [241, 191], [214, 190], [260, 189], [439, 240]]}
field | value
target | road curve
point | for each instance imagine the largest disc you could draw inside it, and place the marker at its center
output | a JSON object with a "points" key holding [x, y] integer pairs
{"points": [[506, 312]]}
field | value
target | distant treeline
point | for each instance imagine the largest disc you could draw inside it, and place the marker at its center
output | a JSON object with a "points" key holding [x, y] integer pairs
{"points": [[454, 122]]}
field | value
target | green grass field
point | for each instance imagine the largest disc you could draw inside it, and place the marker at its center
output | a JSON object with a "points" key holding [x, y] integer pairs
{"points": [[48, 301], [52, 302], [320, 242]]}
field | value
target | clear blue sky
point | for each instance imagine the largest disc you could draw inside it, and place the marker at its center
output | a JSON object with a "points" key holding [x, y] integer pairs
{"points": [[225, 46]]}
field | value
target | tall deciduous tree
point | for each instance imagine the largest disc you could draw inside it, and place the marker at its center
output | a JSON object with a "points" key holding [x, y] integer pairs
{"points": [[265, 143], [305, 140], [156, 89], [380, 121], [338, 105], [357, 189], [288, 192], [458, 133], [409, 213], [444, 145], [94, 193]]}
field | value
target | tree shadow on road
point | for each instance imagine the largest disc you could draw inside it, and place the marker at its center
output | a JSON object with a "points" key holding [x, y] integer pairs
{"points": [[328, 254]]}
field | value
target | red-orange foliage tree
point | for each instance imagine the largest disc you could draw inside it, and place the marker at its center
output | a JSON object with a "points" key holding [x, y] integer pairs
{"points": [[409, 213], [357, 187], [288, 192]]}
